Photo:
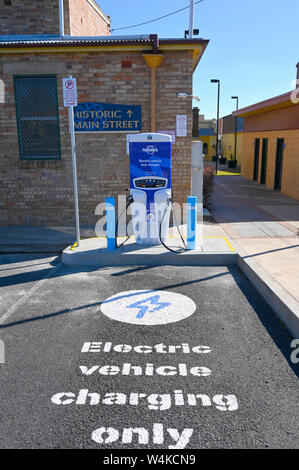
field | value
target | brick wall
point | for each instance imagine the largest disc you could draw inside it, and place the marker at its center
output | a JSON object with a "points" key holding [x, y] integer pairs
{"points": [[290, 175], [29, 17], [42, 17], [41, 192], [85, 20]]}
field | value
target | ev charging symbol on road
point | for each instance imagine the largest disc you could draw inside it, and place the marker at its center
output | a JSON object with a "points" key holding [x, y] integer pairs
{"points": [[143, 309], [148, 307]]}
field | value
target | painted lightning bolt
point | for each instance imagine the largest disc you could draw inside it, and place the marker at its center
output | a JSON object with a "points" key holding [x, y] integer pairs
{"points": [[143, 309]]}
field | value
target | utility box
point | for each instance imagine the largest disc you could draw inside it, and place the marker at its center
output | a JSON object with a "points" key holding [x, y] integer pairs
{"points": [[197, 171], [197, 187]]}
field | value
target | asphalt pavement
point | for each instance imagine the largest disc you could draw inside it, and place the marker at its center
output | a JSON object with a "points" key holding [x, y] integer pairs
{"points": [[141, 357]]}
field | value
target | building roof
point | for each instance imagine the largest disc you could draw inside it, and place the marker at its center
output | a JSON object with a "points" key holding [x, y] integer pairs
{"points": [[43, 43], [277, 102], [54, 40]]}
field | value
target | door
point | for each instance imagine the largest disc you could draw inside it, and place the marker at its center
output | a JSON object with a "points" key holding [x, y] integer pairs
{"points": [[264, 161], [279, 164], [256, 159]]}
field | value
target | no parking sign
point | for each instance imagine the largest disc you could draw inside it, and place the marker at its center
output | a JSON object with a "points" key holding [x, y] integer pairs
{"points": [[70, 92], [69, 86]]}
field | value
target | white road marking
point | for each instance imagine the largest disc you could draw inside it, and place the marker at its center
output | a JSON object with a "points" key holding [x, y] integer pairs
{"points": [[31, 291], [148, 307]]}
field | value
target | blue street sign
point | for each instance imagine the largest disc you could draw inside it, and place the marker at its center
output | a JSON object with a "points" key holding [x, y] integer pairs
{"points": [[105, 117]]}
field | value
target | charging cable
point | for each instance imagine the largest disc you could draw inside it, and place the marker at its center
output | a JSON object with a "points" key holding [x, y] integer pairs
{"points": [[130, 199], [180, 249]]}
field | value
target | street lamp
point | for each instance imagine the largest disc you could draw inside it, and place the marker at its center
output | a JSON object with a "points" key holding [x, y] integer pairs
{"points": [[217, 131], [236, 124]]}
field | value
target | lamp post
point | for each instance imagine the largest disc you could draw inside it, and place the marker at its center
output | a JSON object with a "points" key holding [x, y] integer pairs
{"points": [[236, 124], [217, 131]]}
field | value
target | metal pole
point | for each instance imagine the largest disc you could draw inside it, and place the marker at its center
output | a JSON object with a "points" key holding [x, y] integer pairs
{"points": [[191, 19], [236, 130], [217, 131], [71, 120], [61, 18]]}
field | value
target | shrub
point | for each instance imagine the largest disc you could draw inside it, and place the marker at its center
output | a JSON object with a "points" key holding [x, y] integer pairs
{"points": [[208, 185]]}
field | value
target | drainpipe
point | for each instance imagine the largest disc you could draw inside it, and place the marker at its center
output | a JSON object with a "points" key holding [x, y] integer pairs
{"points": [[61, 18], [153, 60], [155, 40]]}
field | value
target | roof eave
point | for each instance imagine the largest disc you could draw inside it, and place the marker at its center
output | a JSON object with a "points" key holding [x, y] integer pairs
{"points": [[76, 44], [277, 102]]}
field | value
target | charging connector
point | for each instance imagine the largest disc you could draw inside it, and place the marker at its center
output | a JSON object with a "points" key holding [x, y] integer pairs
{"points": [[180, 249]]}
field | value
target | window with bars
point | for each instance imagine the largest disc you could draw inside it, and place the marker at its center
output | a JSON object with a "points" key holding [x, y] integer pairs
{"points": [[37, 117]]}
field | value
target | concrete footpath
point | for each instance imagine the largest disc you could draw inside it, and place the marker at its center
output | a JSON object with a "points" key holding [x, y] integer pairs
{"points": [[53, 240], [263, 226]]}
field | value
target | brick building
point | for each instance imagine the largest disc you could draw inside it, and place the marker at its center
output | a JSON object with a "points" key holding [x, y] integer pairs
{"points": [[81, 17], [270, 145], [35, 157]]}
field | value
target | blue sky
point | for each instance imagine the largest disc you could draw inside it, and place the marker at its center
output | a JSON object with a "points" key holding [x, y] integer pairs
{"points": [[253, 46]]}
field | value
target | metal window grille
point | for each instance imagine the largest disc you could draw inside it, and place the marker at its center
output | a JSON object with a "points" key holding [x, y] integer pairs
{"points": [[37, 117]]}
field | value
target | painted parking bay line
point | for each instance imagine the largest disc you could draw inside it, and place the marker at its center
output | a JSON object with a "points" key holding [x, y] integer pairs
{"points": [[50, 273], [150, 307]]}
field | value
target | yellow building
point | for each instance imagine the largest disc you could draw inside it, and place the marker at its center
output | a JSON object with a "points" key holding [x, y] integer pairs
{"points": [[228, 126], [228, 146], [270, 150], [208, 146]]}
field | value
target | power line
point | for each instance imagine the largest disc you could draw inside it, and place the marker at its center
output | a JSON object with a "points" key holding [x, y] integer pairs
{"points": [[156, 19]]}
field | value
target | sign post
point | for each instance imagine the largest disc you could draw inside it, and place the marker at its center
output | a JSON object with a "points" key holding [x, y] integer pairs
{"points": [[70, 100]]}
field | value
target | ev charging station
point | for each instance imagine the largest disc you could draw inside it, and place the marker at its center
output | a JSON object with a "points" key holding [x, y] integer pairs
{"points": [[150, 186], [150, 204]]}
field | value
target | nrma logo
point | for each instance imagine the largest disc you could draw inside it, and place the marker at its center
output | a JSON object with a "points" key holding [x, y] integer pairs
{"points": [[150, 150]]}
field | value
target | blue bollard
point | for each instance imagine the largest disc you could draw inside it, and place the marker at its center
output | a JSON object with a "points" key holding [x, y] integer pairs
{"points": [[110, 221], [191, 222]]}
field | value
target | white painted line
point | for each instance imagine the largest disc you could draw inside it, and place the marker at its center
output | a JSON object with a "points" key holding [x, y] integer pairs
{"points": [[31, 291], [151, 307]]}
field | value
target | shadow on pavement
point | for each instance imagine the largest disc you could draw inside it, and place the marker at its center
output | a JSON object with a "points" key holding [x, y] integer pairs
{"points": [[270, 251]]}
